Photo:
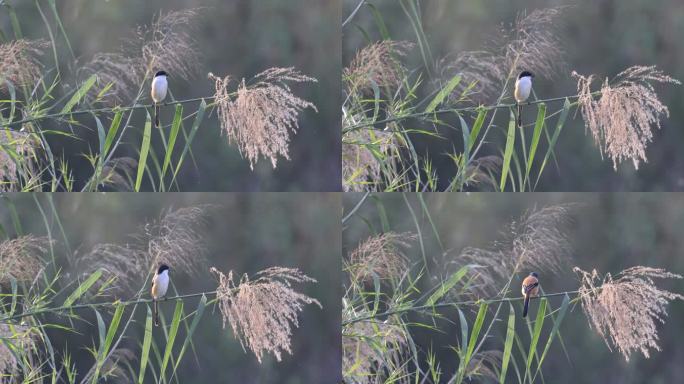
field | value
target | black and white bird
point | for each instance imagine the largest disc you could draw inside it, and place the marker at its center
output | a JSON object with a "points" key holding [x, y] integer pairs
{"points": [[160, 284], [523, 88], [160, 86]]}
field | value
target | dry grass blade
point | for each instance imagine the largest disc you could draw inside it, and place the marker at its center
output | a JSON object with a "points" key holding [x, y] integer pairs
{"points": [[263, 114], [621, 119], [22, 258], [263, 311], [626, 310], [19, 61]]}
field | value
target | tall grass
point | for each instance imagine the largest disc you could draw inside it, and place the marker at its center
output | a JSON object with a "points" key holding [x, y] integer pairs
{"points": [[48, 293], [102, 107], [393, 295], [391, 111]]}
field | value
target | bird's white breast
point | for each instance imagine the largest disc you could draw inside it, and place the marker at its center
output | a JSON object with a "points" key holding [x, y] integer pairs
{"points": [[159, 88], [523, 87], [161, 283]]}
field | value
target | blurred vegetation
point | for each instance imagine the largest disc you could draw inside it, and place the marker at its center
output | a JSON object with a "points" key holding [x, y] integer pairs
{"points": [[601, 38], [237, 38], [607, 232], [244, 233]]}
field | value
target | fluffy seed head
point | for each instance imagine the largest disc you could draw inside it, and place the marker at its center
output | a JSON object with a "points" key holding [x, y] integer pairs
{"points": [[380, 255], [177, 240], [360, 168], [263, 311], [622, 117], [17, 338], [167, 44], [22, 258], [20, 144], [378, 63], [536, 242], [19, 61], [368, 346], [625, 311], [262, 114]]}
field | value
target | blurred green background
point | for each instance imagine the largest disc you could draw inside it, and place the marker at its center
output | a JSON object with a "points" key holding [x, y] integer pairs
{"points": [[609, 232], [238, 38], [601, 37], [246, 233]]}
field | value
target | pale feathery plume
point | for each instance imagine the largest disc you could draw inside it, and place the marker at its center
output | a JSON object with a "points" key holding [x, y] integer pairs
{"points": [[19, 61], [482, 169], [176, 239], [167, 44], [115, 366], [22, 258], [536, 242], [621, 118], [625, 310], [378, 63], [369, 346], [263, 311], [532, 43], [15, 340], [360, 168], [381, 256], [260, 116], [22, 145]]}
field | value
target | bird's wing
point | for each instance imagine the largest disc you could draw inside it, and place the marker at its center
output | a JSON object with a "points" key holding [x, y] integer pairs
{"points": [[530, 287]]}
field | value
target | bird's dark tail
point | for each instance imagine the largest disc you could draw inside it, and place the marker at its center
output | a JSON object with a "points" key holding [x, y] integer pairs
{"points": [[527, 303], [156, 313], [519, 115], [156, 115]]}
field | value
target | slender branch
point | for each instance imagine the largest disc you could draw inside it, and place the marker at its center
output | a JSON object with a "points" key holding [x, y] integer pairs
{"points": [[453, 304], [103, 304], [356, 207], [353, 13], [456, 110], [98, 110]]}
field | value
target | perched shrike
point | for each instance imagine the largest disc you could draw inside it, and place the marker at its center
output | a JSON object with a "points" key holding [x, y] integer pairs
{"points": [[159, 88], [530, 288], [160, 283], [523, 88]]}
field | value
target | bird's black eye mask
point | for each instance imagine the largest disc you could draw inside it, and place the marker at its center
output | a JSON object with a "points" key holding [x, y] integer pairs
{"points": [[163, 268], [160, 73], [525, 74]]}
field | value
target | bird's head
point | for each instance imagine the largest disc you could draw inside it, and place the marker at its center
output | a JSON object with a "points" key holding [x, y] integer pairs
{"points": [[160, 73], [525, 74], [162, 268], [534, 274]]}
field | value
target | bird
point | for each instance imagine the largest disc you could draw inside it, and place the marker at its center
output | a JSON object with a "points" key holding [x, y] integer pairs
{"points": [[530, 288], [523, 88], [160, 87], [160, 284]]}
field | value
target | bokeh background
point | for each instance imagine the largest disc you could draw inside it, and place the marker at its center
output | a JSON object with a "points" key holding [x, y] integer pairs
{"points": [[609, 232], [602, 37], [246, 233], [238, 38]]}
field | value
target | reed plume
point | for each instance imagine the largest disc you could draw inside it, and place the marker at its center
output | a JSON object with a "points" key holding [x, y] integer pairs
{"points": [[19, 62], [260, 118], [263, 311], [22, 258], [377, 64], [625, 310], [622, 117]]}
